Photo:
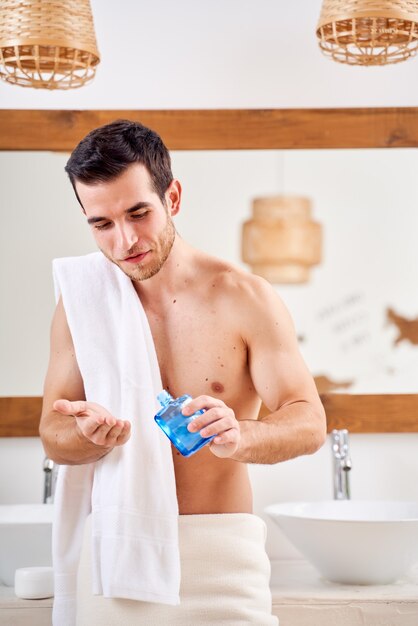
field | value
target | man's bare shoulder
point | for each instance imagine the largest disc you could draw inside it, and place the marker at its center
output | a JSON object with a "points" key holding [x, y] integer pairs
{"points": [[238, 287]]}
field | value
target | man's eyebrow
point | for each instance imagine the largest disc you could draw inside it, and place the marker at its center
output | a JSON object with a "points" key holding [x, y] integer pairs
{"points": [[136, 207], [94, 220]]}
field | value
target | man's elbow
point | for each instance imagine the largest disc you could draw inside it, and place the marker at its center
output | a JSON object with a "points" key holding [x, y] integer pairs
{"points": [[49, 442], [43, 436], [45, 440], [318, 430]]}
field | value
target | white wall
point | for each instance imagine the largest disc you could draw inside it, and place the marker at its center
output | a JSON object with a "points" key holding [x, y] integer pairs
{"points": [[217, 54]]}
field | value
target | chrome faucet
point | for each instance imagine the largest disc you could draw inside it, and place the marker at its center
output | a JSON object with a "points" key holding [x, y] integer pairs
{"points": [[50, 479], [342, 464]]}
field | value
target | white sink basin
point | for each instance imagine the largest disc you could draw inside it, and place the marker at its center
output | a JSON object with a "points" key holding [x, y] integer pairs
{"points": [[353, 542], [25, 538]]}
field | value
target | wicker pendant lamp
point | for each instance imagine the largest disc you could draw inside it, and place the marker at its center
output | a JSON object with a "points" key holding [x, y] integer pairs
{"points": [[281, 242], [47, 44], [368, 32]]}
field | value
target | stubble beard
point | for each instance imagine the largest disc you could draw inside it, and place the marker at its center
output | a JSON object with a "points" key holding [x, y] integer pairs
{"points": [[165, 243]]}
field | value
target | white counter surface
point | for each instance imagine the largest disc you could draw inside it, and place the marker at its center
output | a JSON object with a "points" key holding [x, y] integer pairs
{"points": [[9, 600], [300, 598], [17, 612]]}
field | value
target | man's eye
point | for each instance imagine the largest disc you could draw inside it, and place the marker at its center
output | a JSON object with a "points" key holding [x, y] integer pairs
{"points": [[138, 216], [102, 226]]}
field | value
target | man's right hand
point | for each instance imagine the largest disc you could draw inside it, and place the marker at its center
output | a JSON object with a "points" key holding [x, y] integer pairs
{"points": [[96, 423]]}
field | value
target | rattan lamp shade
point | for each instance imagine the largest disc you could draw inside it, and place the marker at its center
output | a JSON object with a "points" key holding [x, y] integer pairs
{"points": [[47, 44], [281, 242], [368, 32]]}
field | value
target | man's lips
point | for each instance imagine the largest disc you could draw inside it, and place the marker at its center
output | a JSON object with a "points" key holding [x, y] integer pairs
{"points": [[136, 258]]}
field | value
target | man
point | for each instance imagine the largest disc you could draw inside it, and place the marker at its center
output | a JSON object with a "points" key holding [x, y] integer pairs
{"points": [[221, 335]]}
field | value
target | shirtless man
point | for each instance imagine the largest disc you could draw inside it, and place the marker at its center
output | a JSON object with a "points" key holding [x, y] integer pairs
{"points": [[221, 335]]}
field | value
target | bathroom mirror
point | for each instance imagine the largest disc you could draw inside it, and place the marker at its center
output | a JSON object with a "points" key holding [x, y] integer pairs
{"points": [[355, 318]]}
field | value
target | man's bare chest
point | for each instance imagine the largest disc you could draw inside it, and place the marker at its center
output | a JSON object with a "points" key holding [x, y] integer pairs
{"points": [[199, 352]]}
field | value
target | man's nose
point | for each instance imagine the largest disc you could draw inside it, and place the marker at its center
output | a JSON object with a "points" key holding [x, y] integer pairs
{"points": [[127, 237]]}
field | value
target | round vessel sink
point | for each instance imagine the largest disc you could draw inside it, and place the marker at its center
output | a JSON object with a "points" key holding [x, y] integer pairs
{"points": [[25, 538], [352, 542]]}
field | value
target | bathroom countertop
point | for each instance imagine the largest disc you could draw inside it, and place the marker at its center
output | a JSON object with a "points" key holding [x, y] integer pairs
{"points": [[295, 579], [302, 598], [8, 600], [21, 612]]}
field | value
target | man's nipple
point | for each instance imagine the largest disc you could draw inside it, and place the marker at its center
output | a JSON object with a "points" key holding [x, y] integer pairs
{"points": [[217, 387]]}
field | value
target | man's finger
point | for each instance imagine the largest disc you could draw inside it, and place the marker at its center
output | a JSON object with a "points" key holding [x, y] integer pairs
{"points": [[125, 434], [69, 408], [99, 434], [114, 433], [201, 402]]}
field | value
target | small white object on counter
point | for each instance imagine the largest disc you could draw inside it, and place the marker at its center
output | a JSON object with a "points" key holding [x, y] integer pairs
{"points": [[34, 583]]}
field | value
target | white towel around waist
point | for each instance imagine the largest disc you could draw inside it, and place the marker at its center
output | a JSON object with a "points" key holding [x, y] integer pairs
{"points": [[131, 491], [225, 579]]}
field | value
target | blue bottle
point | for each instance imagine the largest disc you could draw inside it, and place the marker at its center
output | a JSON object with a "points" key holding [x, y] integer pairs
{"points": [[172, 421]]}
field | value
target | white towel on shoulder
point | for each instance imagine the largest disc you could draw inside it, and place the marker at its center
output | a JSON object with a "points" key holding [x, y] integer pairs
{"points": [[130, 492]]}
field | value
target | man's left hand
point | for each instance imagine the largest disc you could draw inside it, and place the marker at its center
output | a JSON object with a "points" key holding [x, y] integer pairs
{"points": [[218, 419]]}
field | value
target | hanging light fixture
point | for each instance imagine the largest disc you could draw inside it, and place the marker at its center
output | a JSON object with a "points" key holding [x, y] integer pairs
{"points": [[368, 32], [47, 44], [281, 242]]}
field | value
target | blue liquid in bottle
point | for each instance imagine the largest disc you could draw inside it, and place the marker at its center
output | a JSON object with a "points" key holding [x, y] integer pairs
{"points": [[172, 421]]}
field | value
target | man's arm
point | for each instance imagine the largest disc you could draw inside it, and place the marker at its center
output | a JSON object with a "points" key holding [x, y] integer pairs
{"points": [[72, 430], [297, 422]]}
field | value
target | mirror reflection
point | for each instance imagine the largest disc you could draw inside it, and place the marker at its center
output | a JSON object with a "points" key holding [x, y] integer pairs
{"points": [[356, 317]]}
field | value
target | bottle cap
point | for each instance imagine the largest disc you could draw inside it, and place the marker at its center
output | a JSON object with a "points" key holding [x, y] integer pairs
{"points": [[164, 397]]}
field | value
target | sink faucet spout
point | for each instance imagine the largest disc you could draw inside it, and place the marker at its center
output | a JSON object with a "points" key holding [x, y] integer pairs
{"points": [[342, 464], [50, 479]]}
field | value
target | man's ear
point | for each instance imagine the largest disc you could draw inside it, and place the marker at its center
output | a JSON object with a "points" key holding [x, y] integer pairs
{"points": [[173, 197]]}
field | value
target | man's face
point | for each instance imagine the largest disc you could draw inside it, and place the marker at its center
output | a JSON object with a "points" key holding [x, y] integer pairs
{"points": [[130, 224]]}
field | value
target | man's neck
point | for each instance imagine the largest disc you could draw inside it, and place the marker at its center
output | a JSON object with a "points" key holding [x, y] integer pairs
{"points": [[174, 275]]}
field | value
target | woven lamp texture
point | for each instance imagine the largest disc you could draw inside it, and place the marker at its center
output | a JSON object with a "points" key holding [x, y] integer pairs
{"points": [[281, 242], [368, 32], [47, 44]]}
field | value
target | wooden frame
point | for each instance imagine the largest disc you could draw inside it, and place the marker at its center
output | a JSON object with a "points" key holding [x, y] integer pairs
{"points": [[381, 413], [220, 129], [19, 416], [232, 129]]}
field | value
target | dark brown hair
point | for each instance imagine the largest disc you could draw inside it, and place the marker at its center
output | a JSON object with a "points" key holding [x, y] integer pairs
{"points": [[107, 151]]}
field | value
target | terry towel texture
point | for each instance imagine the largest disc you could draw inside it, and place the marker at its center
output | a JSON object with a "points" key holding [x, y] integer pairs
{"points": [[131, 492], [225, 579]]}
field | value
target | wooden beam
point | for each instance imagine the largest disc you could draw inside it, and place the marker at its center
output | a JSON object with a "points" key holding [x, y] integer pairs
{"points": [[369, 413], [380, 413], [372, 413], [221, 129], [19, 416]]}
